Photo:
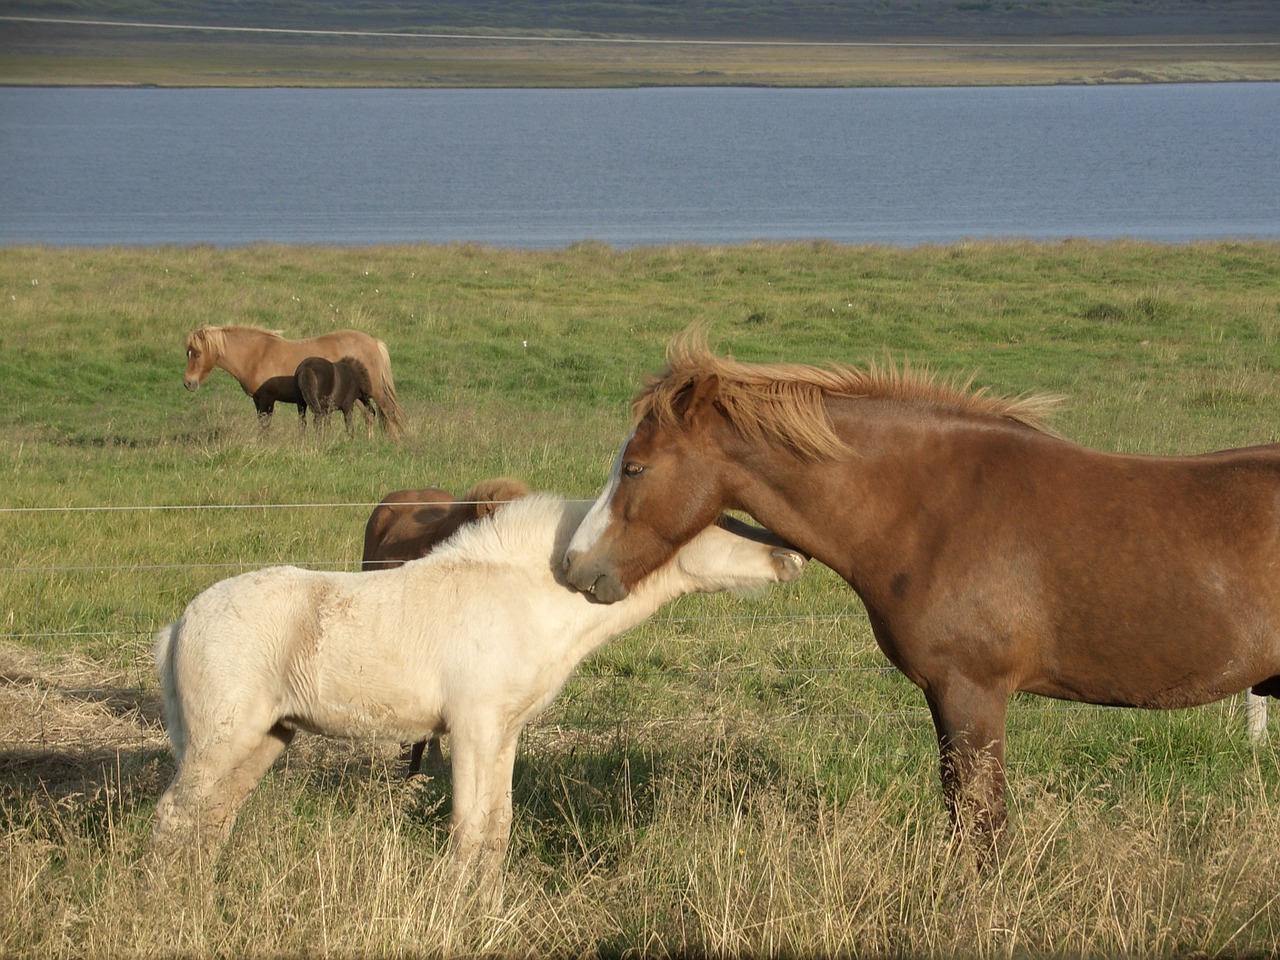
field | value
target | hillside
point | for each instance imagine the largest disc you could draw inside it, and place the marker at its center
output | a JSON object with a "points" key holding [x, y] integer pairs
{"points": [[724, 19], [618, 43]]}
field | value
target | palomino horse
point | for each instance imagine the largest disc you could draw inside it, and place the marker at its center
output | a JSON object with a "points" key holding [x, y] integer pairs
{"points": [[991, 555], [409, 524], [253, 356]]}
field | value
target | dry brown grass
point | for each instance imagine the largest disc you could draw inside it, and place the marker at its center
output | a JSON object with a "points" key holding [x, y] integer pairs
{"points": [[713, 852]]}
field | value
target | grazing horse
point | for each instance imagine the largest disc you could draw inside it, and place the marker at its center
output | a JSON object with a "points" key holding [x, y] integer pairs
{"points": [[328, 386], [992, 556], [409, 524], [473, 639], [253, 356]]}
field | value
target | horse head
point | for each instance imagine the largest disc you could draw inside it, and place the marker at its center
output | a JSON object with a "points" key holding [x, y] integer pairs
{"points": [[203, 350], [663, 489]]}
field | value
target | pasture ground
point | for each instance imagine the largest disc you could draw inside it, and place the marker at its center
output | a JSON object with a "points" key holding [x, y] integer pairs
{"points": [[739, 777]]}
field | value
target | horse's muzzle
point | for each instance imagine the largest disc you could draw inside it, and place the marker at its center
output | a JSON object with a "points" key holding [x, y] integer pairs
{"points": [[191, 384], [591, 579]]}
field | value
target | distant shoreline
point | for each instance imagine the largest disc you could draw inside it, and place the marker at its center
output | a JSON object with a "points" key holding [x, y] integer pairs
{"points": [[49, 52]]}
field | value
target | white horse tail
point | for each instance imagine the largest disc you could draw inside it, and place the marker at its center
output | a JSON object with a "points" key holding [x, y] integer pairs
{"points": [[388, 404], [164, 654]]}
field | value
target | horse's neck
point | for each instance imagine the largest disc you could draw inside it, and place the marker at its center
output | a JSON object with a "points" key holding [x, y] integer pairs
{"points": [[592, 624], [851, 513], [240, 357]]}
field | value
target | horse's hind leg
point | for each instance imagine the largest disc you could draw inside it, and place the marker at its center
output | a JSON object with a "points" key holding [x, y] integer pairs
{"points": [[213, 781], [434, 758]]}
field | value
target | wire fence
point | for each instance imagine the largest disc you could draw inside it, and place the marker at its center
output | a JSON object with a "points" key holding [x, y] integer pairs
{"points": [[689, 650]]}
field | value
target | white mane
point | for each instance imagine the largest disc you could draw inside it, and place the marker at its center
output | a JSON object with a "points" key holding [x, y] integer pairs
{"points": [[527, 531]]}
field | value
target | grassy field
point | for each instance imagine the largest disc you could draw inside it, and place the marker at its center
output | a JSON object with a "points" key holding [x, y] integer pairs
{"points": [[739, 777]]}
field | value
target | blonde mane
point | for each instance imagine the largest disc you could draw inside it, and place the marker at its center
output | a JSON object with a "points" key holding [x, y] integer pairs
{"points": [[213, 340], [786, 402]]}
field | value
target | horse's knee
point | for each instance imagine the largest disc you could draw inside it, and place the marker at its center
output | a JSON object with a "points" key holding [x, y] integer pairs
{"points": [[970, 727], [169, 827]]}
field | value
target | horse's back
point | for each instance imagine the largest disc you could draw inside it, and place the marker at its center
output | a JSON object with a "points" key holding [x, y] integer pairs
{"points": [[393, 532]]}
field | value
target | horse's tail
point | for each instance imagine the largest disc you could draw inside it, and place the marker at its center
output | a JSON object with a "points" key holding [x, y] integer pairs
{"points": [[164, 654], [388, 406]]}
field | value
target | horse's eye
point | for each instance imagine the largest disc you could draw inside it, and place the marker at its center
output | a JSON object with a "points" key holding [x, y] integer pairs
{"points": [[632, 469]]}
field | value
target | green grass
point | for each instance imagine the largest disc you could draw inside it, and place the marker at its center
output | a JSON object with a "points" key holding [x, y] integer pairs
{"points": [[738, 777]]}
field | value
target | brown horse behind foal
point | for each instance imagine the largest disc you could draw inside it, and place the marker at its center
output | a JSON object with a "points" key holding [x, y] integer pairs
{"points": [[254, 356], [991, 555], [409, 524]]}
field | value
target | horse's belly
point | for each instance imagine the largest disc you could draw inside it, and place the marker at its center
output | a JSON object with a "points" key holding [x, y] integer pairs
{"points": [[367, 707], [1169, 685], [363, 720]]}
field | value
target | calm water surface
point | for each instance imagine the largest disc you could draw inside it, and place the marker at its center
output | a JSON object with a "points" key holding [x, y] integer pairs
{"points": [[550, 167]]}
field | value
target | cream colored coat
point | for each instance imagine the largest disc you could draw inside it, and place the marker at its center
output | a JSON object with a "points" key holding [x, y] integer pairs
{"points": [[473, 640]]}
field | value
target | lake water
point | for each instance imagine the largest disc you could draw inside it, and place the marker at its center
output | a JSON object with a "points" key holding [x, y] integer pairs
{"points": [[652, 166]]}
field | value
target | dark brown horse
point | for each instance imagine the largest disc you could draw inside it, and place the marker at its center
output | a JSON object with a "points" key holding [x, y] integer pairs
{"points": [[992, 556], [254, 356], [326, 386], [409, 524], [275, 390]]}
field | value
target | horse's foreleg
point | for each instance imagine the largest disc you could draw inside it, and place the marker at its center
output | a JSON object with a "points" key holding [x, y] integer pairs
{"points": [[483, 761], [970, 723], [265, 408], [498, 834]]}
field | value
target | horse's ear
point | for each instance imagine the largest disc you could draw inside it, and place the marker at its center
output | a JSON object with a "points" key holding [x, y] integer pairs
{"points": [[697, 397]]}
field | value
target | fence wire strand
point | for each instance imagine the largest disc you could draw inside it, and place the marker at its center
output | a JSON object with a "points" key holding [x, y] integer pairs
{"points": [[151, 734]]}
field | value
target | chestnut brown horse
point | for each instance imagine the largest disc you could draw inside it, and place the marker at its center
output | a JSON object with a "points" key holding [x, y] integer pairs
{"points": [[991, 555], [408, 524], [254, 356]]}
